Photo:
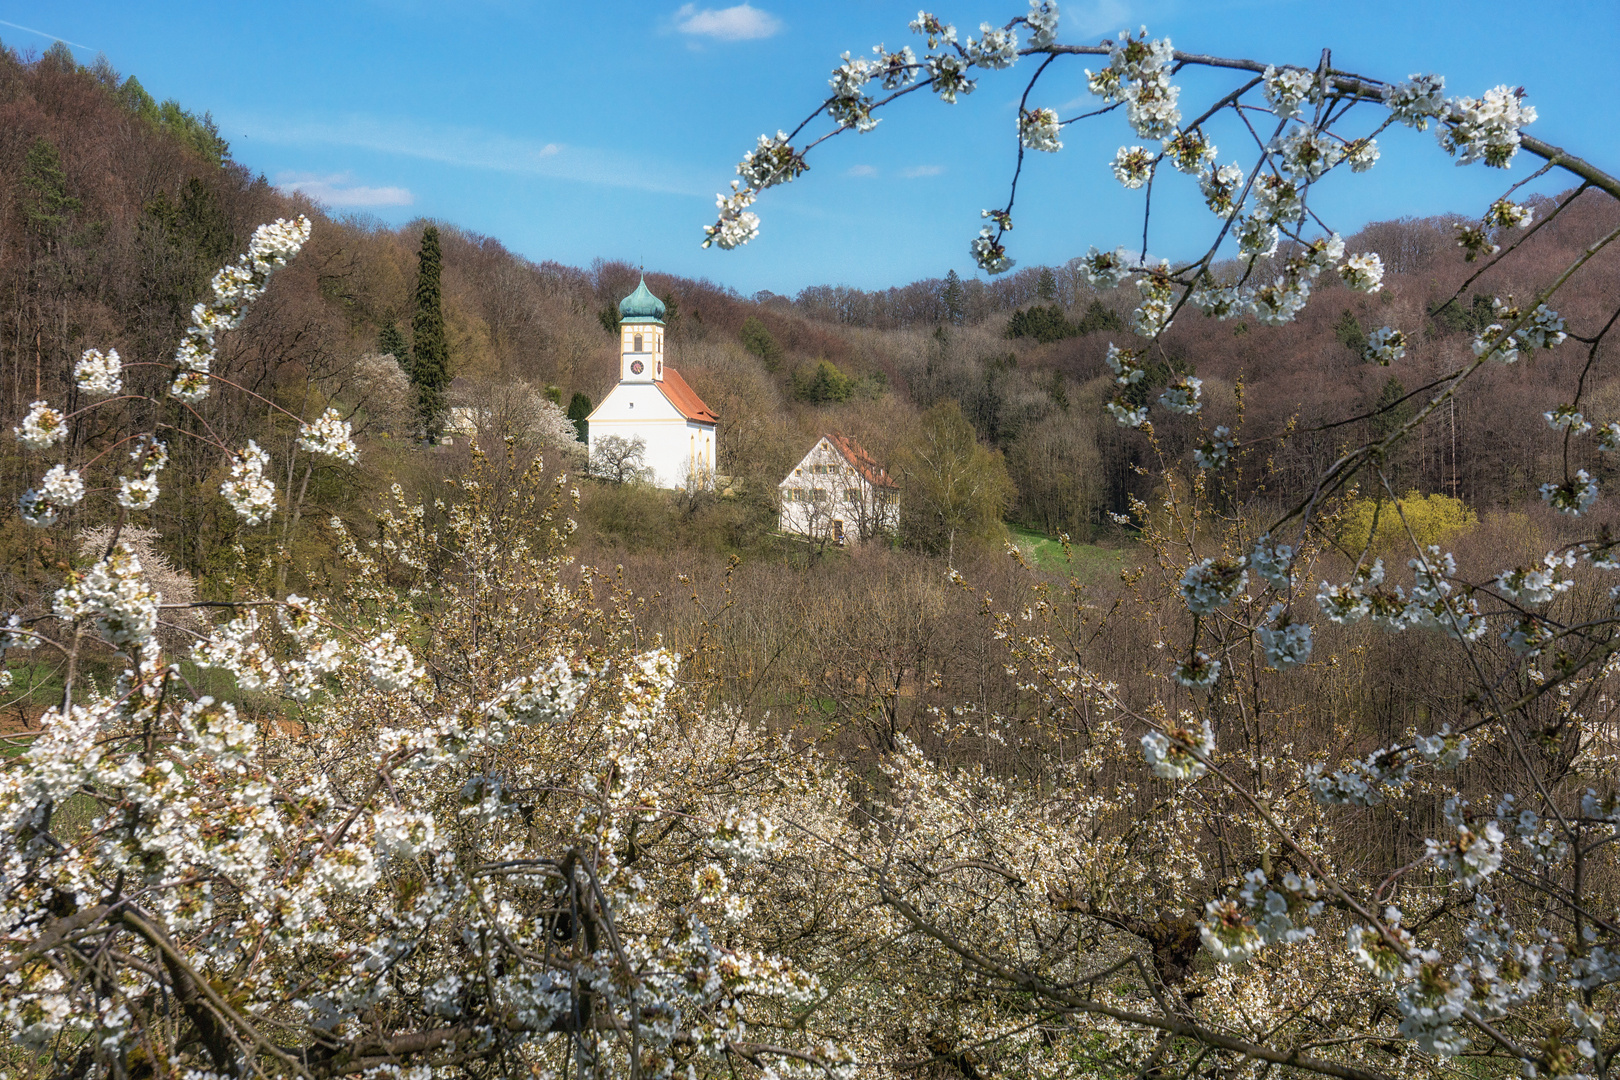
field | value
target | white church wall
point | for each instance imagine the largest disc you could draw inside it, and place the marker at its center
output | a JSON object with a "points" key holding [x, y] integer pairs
{"points": [[676, 446]]}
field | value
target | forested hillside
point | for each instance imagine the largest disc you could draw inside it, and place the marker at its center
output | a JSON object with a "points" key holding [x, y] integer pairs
{"points": [[116, 210]]}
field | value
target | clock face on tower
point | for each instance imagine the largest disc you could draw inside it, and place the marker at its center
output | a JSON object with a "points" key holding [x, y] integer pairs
{"points": [[637, 367]]}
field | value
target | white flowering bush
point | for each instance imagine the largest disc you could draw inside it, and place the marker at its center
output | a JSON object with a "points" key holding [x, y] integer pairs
{"points": [[392, 842], [393, 870]]}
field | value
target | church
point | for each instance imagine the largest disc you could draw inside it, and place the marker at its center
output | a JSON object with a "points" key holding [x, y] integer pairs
{"points": [[653, 403]]}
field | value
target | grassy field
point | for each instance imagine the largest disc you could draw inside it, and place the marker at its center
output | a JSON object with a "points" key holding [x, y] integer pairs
{"points": [[1089, 561]]}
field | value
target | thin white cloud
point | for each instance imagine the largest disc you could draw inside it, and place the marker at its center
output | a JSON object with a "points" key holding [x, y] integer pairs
{"points": [[741, 23], [861, 170], [52, 37], [471, 148], [336, 191], [916, 171], [1107, 17]]}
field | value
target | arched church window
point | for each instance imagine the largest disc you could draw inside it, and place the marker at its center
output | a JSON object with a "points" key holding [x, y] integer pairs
{"points": [[638, 343]]}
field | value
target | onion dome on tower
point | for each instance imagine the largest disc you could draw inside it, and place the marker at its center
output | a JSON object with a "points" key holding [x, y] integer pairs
{"points": [[641, 306]]}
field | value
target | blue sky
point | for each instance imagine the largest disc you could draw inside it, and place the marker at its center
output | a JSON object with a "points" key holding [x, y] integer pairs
{"points": [[571, 131]]}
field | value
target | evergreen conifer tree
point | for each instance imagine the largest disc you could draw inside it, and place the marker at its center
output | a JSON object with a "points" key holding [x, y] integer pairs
{"points": [[430, 349], [1349, 332], [46, 201], [1097, 318], [952, 298], [393, 343], [579, 410], [758, 340], [824, 384], [1046, 286]]}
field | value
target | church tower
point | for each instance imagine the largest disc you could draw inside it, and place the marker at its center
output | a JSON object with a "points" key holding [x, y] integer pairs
{"points": [[652, 405], [641, 336]]}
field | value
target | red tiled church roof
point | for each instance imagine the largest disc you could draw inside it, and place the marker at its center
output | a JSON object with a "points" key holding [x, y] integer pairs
{"points": [[684, 398], [860, 460]]}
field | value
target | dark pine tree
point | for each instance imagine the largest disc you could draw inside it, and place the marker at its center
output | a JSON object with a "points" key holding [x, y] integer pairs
{"points": [[1044, 324], [391, 342], [1046, 286], [430, 349], [579, 410], [46, 203], [758, 340], [952, 297]]}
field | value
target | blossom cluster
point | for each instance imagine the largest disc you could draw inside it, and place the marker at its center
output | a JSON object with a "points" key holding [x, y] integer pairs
{"points": [[151, 455], [248, 490], [1431, 603], [1107, 269], [1485, 128], [547, 695], [42, 428], [1181, 751], [1542, 328], [232, 289], [329, 435], [61, 488], [1368, 782], [774, 161], [1287, 90], [987, 249], [737, 224], [115, 594], [1038, 129], [1286, 644], [98, 373], [1211, 583], [1216, 451], [1138, 74], [1263, 913], [1385, 345]]}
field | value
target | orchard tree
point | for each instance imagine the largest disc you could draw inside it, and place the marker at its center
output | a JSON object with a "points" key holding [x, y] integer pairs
{"points": [[619, 460], [460, 815]]}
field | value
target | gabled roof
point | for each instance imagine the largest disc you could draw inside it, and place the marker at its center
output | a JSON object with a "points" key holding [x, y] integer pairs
{"points": [[684, 398], [860, 460]]}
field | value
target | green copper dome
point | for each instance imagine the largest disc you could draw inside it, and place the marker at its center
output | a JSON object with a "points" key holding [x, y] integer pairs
{"points": [[641, 306]]}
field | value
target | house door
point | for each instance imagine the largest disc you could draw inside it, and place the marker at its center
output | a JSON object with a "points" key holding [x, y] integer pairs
{"points": [[838, 531]]}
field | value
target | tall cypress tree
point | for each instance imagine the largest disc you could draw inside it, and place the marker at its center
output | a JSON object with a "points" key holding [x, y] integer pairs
{"points": [[430, 349]]}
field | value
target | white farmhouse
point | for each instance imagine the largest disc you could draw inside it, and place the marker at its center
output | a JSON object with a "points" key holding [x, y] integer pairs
{"points": [[653, 403], [838, 493]]}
